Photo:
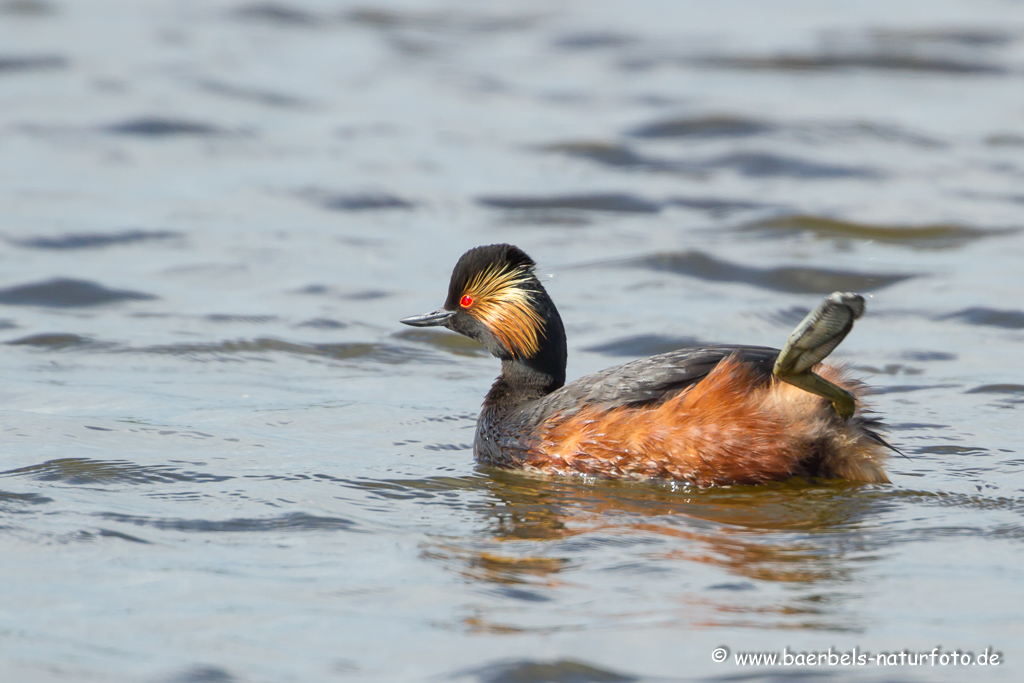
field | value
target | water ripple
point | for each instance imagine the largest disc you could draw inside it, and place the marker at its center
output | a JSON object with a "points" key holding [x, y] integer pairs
{"points": [[796, 279], [95, 240], [339, 201], [711, 126], [537, 671], [85, 471], [614, 202], [853, 60], [768, 165], [381, 353], [298, 521], [438, 20], [717, 206], [16, 502], [989, 317], [1012, 389], [935, 236], [27, 8], [750, 164], [161, 127], [447, 342], [617, 156], [645, 345], [595, 40], [264, 97], [945, 37], [277, 14], [12, 64], [238, 349], [55, 341], [67, 293]]}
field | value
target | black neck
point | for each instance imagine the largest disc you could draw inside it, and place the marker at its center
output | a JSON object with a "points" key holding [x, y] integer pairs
{"points": [[519, 383]]}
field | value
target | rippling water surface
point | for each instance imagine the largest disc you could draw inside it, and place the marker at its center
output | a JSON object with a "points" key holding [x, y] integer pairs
{"points": [[224, 460]]}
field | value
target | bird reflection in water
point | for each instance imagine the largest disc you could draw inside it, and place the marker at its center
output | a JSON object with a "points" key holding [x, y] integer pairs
{"points": [[786, 548]]}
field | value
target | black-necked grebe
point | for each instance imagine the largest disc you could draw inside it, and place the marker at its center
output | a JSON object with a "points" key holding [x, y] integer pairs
{"points": [[710, 416]]}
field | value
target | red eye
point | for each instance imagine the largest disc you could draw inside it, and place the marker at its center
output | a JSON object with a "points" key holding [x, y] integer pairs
{"points": [[466, 301]]}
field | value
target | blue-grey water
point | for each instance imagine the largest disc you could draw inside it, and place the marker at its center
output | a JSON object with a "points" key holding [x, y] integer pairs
{"points": [[224, 461]]}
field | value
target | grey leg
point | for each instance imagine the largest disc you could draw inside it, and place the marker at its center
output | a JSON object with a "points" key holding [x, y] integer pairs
{"points": [[813, 339]]}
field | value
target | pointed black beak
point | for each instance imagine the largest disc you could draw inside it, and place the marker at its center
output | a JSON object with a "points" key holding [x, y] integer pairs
{"points": [[438, 317]]}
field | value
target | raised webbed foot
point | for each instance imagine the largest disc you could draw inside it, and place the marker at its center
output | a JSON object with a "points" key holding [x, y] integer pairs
{"points": [[811, 342]]}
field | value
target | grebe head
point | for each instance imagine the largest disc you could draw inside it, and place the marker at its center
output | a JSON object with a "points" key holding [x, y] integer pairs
{"points": [[495, 298]]}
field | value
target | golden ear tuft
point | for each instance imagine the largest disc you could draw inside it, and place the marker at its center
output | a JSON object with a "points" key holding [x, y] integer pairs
{"points": [[503, 301]]}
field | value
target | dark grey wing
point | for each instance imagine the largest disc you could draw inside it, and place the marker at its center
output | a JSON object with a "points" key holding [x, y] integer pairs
{"points": [[648, 380]]}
